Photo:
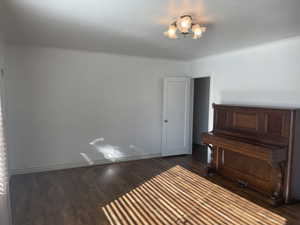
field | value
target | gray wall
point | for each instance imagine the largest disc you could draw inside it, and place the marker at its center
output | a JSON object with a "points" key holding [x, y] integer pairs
{"points": [[267, 75], [59, 101]]}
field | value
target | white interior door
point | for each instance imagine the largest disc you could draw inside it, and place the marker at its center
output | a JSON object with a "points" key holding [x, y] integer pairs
{"points": [[176, 116]]}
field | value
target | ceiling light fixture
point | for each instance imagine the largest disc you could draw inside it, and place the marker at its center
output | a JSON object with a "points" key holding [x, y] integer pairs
{"points": [[185, 26]]}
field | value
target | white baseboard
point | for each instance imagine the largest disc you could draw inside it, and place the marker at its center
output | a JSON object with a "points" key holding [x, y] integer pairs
{"points": [[80, 164]]}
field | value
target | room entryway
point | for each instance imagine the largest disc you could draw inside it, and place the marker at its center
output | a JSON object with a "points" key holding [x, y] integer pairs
{"points": [[200, 116]]}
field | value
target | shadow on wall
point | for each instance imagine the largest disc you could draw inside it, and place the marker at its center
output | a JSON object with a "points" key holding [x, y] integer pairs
{"points": [[110, 153], [260, 98]]}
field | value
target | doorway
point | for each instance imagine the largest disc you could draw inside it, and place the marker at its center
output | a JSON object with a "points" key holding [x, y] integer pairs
{"points": [[201, 101]]}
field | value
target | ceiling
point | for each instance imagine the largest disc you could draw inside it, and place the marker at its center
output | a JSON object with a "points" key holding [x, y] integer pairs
{"points": [[135, 27]]}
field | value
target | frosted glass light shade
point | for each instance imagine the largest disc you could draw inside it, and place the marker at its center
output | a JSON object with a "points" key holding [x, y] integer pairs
{"points": [[184, 24], [197, 31], [171, 32]]}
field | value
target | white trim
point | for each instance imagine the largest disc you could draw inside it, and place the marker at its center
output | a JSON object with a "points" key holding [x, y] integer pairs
{"points": [[164, 103], [202, 76], [80, 164]]}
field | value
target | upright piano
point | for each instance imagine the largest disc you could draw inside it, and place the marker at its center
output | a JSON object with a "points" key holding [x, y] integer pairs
{"points": [[259, 148]]}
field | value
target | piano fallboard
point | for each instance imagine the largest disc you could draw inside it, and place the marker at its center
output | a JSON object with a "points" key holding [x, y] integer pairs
{"points": [[266, 152]]}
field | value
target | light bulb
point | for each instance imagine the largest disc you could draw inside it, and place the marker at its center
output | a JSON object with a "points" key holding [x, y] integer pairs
{"points": [[171, 31], [185, 24], [198, 32]]}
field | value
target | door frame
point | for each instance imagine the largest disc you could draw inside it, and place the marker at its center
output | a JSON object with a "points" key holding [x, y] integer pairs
{"points": [[188, 111], [210, 109]]}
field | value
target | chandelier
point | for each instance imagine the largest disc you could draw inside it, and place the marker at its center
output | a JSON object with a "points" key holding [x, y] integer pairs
{"points": [[185, 26]]}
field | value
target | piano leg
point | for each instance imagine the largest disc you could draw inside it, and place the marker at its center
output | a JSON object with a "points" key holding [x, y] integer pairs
{"points": [[213, 163], [277, 173]]}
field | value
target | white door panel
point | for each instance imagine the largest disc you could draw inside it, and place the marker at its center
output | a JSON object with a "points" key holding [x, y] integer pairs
{"points": [[176, 116]]}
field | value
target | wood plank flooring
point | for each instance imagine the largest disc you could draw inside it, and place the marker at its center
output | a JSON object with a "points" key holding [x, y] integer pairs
{"points": [[152, 191]]}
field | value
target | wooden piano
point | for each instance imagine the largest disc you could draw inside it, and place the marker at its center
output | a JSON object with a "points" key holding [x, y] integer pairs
{"points": [[258, 148]]}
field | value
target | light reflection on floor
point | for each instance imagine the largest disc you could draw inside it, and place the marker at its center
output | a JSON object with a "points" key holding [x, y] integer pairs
{"points": [[110, 152], [178, 196]]}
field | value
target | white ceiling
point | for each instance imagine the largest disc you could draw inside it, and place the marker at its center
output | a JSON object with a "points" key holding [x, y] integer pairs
{"points": [[135, 27]]}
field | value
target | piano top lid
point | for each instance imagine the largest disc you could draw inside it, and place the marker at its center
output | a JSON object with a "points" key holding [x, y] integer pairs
{"points": [[251, 107]]}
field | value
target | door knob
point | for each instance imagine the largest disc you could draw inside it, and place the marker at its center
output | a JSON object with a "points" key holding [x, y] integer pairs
{"points": [[165, 121]]}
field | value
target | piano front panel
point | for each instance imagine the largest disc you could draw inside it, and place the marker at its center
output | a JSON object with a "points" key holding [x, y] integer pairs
{"points": [[245, 121], [256, 173], [277, 124], [264, 125]]}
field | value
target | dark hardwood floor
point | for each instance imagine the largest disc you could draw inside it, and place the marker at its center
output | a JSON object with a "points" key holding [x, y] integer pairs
{"points": [[152, 191]]}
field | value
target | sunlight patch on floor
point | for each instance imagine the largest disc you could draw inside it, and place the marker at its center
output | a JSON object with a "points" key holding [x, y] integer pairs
{"points": [[178, 196]]}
